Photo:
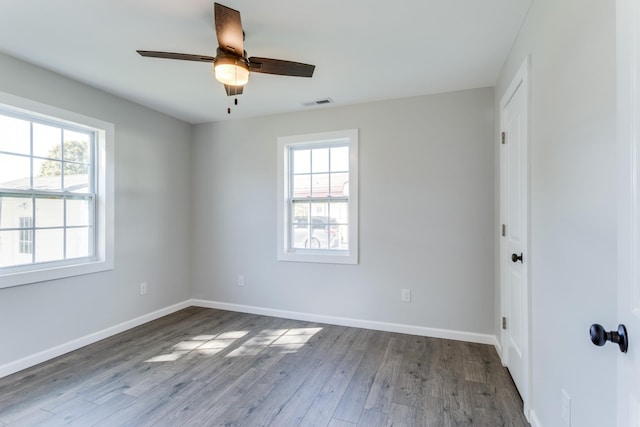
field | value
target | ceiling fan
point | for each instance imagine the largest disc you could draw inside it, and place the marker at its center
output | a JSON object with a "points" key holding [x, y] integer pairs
{"points": [[231, 65]]}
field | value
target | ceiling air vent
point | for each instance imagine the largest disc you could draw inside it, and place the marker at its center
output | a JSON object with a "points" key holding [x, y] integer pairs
{"points": [[318, 102]]}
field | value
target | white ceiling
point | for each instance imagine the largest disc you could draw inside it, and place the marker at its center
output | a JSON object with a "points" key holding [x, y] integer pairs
{"points": [[363, 50]]}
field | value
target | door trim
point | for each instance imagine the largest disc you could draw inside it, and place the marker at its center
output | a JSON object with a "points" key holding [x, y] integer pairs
{"points": [[519, 81], [628, 129]]}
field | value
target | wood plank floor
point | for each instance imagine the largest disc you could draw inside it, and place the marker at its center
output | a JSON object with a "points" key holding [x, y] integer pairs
{"points": [[204, 367]]}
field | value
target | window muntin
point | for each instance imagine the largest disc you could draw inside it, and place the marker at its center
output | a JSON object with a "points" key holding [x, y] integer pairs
{"points": [[47, 191], [89, 215], [318, 207]]}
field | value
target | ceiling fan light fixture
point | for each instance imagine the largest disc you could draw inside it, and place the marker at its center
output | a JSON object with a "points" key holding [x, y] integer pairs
{"points": [[231, 71], [231, 66]]}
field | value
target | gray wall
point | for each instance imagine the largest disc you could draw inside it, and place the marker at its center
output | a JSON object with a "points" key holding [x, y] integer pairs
{"points": [[573, 204], [426, 214], [152, 210]]}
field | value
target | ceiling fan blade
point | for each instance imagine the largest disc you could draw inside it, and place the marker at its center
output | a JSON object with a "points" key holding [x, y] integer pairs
{"points": [[233, 90], [228, 29], [171, 55], [281, 67]]}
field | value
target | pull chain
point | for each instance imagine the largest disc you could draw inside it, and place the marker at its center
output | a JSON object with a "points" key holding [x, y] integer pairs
{"points": [[235, 102]]}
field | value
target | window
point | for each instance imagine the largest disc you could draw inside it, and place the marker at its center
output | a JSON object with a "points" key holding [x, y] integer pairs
{"points": [[318, 197], [56, 209]]}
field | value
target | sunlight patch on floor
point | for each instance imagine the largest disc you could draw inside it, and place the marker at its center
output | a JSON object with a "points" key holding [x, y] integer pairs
{"points": [[206, 344], [284, 340], [287, 340]]}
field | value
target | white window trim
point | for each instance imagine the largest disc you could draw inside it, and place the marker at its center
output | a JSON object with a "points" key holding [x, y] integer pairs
{"points": [[103, 259], [301, 255]]}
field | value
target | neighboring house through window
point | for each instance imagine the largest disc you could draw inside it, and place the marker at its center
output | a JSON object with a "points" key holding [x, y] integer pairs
{"points": [[318, 197]]}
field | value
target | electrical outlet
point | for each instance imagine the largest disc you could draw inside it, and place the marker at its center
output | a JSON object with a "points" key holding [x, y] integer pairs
{"points": [[566, 408], [405, 295], [143, 288], [240, 280]]}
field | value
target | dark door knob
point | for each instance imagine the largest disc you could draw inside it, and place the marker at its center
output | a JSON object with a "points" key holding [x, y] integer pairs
{"points": [[599, 336], [516, 258]]}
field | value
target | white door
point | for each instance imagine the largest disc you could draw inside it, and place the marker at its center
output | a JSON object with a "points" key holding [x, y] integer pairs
{"points": [[514, 208], [628, 40]]}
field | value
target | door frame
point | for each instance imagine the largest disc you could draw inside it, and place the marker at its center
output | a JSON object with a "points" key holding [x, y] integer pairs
{"points": [[628, 130], [520, 80]]}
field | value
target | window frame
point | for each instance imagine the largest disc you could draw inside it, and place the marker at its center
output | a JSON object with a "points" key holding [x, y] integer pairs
{"points": [[313, 141], [102, 237]]}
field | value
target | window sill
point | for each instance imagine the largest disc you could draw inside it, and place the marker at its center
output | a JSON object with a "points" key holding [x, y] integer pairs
{"points": [[321, 257], [19, 278]]}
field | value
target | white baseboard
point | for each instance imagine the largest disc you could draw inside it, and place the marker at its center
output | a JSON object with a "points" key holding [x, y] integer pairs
{"points": [[61, 349], [533, 419], [498, 347], [355, 323]]}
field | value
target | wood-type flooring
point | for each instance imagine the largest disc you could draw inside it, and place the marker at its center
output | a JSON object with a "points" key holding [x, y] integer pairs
{"points": [[205, 367]]}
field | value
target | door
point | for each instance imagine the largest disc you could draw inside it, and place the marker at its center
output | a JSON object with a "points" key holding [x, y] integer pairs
{"points": [[628, 40], [514, 208]]}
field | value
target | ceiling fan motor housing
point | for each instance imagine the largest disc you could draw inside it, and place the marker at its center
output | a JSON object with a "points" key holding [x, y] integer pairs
{"points": [[231, 69]]}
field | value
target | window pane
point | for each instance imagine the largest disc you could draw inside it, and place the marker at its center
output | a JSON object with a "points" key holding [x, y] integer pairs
{"points": [[342, 237], [14, 208], [47, 141], [301, 185], [320, 224], [76, 147], [301, 237], [26, 235], [10, 250], [320, 211], [339, 219], [77, 212], [320, 185], [47, 174], [300, 228], [14, 172], [78, 242], [49, 213], [339, 184], [300, 211], [49, 245], [339, 212], [301, 161], [339, 159], [76, 177], [320, 160], [15, 135]]}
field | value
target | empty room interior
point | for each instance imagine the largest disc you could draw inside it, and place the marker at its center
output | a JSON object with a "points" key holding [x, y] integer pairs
{"points": [[412, 214]]}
